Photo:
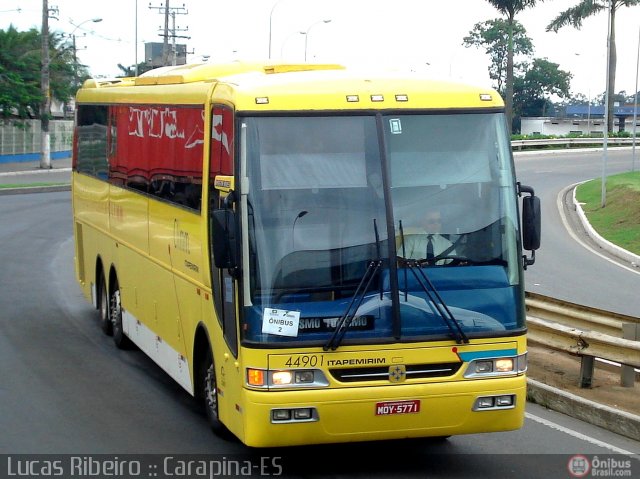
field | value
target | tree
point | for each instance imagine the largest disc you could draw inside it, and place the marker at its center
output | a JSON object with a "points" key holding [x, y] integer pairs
{"points": [[63, 68], [493, 36], [20, 70], [574, 16], [19, 73], [579, 99], [131, 71], [533, 90], [510, 8]]}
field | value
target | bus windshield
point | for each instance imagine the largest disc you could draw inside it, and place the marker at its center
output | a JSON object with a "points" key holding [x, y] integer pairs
{"points": [[369, 221]]}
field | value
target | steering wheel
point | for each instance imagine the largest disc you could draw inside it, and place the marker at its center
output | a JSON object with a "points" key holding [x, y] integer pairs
{"points": [[451, 260]]}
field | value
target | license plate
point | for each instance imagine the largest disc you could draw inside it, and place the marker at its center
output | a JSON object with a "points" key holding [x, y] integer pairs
{"points": [[397, 407]]}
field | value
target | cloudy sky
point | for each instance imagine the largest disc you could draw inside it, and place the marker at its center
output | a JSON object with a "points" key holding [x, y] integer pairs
{"points": [[420, 35]]}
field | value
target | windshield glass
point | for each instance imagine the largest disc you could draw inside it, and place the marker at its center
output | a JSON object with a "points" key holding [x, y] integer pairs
{"points": [[325, 194]]}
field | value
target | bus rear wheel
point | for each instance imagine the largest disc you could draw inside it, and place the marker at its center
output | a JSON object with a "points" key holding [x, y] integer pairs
{"points": [[103, 306], [121, 340]]}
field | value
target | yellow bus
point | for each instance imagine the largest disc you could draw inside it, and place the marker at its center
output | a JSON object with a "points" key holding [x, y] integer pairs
{"points": [[246, 225]]}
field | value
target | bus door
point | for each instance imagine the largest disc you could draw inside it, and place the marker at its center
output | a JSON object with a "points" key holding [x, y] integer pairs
{"points": [[224, 282]]}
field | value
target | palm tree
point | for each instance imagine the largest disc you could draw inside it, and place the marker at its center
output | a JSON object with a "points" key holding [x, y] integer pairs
{"points": [[586, 8], [510, 8]]}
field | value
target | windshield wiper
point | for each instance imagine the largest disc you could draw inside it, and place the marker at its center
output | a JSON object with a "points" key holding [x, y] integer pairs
{"points": [[358, 297], [442, 308]]}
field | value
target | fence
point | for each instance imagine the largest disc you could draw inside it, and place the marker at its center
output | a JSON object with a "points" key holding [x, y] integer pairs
{"points": [[568, 143], [21, 140]]}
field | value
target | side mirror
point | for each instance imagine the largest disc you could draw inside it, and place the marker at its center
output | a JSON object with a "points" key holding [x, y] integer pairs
{"points": [[223, 234], [531, 223]]}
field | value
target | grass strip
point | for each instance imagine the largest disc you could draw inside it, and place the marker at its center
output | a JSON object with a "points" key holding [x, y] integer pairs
{"points": [[619, 220]]}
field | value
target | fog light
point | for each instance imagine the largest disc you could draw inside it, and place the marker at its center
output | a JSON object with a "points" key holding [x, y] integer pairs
{"points": [[281, 415], [303, 377], [502, 401], [302, 413], [484, 403]]}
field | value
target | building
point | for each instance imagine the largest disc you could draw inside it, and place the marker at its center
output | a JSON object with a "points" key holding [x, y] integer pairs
{"points": [[153, 54], [580, 120]]}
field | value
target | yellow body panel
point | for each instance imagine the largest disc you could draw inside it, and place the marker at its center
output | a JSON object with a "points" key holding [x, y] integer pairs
{"points": [[301, 87], [347, 410], [156, 251], [347, 415]]}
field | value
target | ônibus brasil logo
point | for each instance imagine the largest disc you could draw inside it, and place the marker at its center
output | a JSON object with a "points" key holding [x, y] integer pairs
{"points": [[579, 466]]}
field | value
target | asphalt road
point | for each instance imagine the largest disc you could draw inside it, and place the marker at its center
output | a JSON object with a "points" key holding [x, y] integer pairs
{"points": [[65, 388], [564, 268]]}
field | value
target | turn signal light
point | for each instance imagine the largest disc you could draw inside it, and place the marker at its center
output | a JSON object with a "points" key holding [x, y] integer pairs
{"points": [[255, 377]]}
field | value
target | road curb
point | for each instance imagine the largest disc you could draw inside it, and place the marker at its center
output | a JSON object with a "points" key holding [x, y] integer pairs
{"points": [[606, 417], [33, 189], [615, 250]]}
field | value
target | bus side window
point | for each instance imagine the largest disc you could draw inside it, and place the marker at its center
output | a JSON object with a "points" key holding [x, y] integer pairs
{"points": [[92, 140]]}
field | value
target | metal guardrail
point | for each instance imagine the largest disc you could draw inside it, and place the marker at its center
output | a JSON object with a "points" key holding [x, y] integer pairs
{"points": [[577, 316], [569, 142], [579, 330]]}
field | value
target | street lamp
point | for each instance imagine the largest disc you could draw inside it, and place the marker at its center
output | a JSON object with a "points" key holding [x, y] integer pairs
{"points": [[270, 19], [306, 38], [603, 191], [635, 107], [75, 50], [94, 20]]}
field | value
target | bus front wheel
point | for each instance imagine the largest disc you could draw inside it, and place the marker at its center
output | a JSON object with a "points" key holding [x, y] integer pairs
{"points": [[209, 393]]}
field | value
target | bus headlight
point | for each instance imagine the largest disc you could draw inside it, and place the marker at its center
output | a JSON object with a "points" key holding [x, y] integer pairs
{"points": [[285, 378], [489, 367], [504, 365], [304, 377], [281, 378]]}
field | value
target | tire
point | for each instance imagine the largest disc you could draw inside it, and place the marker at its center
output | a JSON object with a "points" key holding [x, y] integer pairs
{"points": [[103, 307], [209, 394], [115, 309]]}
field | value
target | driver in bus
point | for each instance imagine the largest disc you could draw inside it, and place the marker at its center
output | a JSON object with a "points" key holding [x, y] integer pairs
{"points": [[428, 243]]}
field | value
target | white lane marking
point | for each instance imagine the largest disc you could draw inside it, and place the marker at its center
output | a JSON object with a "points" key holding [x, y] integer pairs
{"points": [[578, 435]]}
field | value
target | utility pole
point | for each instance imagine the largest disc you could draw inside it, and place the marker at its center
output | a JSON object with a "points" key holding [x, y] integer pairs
{"points": [[45, 104], [169, 55], [136, 42]]}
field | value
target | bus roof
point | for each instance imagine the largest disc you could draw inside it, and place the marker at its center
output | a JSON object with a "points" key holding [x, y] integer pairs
{"points": [[265, 86]]}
